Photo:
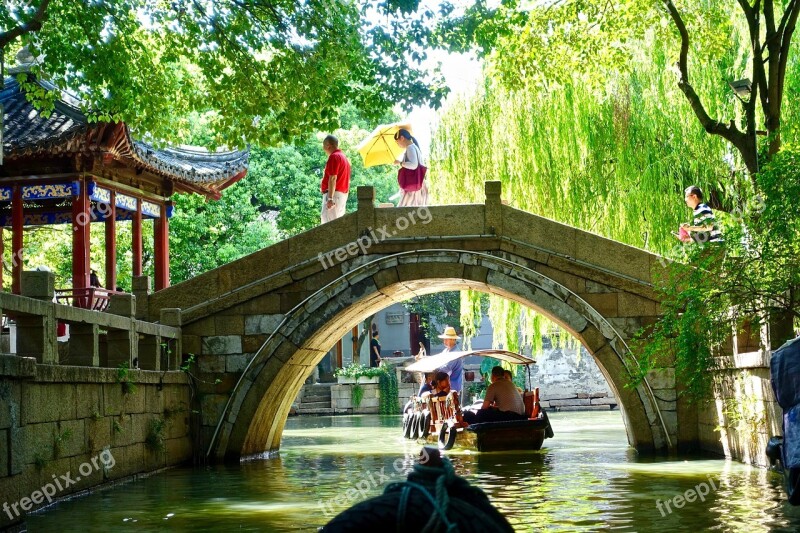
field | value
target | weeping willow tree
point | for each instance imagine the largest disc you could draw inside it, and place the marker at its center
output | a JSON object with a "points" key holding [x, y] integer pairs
{"points": [[590, 121], [610, 155]]}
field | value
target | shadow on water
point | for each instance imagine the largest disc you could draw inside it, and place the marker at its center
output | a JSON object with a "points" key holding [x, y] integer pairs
{"points": [[586, 479]]}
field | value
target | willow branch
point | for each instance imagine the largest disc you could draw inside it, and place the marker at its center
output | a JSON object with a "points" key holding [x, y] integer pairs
{"points": [[33, 25], [789, 24], [729, 132]]}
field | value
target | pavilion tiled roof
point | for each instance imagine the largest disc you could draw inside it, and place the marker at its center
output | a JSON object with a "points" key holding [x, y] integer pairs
{"points": [[67, 130]]}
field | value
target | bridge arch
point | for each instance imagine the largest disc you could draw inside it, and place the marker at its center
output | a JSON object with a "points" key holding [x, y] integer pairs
{"points": [[256, 411]]}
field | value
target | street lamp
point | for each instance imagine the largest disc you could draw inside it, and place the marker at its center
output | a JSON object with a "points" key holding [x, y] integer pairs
{"points": [[743, 89]]}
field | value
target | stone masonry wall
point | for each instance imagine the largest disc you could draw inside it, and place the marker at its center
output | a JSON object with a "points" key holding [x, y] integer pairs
{"points": [[83, 427], [742, 417]]}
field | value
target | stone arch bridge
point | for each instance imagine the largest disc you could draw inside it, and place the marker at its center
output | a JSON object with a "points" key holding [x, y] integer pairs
{"points": [[261, 324]]}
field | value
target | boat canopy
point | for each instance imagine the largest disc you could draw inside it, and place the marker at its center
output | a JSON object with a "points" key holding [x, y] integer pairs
{"points": [[433, 362]]}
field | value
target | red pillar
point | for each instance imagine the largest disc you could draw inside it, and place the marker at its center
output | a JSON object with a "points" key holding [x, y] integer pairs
{"points": [[136, 245], [17, 219], [81, 241], [111, 243], [161, 246]]}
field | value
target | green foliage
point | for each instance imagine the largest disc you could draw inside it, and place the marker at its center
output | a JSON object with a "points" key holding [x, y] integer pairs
{"points": [[155, 438], [59, 439], [123, 377], [436, 310], [116, 426], [261, 71], [358, 395], [751, 277], [39, 461], [388, 390], [357, 370]]}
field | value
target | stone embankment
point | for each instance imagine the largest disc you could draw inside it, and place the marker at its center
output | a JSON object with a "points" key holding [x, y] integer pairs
{"points": [[68, 429]]}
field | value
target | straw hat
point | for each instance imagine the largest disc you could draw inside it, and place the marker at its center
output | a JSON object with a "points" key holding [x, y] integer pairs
{"points": [[449, 333]]}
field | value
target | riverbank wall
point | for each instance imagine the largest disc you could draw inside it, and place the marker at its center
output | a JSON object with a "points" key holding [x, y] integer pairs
{"points": [[65, 429]]}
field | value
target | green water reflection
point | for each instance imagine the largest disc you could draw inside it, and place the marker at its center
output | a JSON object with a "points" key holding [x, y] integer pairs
{"points": [[586, 479]]}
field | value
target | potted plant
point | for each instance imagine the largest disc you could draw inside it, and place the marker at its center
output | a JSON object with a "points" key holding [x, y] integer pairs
{"points": [[357, 373]]}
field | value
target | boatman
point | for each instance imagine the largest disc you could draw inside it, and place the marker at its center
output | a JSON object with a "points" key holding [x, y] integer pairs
{"points": [[454, 369]]}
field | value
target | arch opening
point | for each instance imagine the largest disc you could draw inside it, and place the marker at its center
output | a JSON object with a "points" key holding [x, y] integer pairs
{"points": [[255, 415]]}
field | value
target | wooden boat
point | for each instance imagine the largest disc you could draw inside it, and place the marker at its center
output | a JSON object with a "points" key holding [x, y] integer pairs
{"points": [[439, 418]]}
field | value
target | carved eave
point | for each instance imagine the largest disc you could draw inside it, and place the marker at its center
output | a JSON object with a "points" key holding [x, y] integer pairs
{"points": [[108, 150]]}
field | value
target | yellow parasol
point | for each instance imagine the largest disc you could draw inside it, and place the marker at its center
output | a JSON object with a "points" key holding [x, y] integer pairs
{"points": [[380, 148]]}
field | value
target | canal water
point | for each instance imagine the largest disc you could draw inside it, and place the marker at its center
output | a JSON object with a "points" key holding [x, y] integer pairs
{"points": [[585, 479]]}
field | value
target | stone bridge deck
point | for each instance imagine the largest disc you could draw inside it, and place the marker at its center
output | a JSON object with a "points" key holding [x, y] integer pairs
{"points": [[261, 323]]}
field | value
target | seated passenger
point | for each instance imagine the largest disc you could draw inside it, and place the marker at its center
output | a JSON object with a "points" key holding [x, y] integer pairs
{"points": [[427, 386], [503, 393], [507, 375], [442, 384]]}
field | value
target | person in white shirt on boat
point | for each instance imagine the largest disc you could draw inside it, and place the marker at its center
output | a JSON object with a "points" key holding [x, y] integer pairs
{"points": [[501, 403]]}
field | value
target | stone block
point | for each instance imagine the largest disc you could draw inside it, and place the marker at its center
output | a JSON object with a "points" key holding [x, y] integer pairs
{"points": [[237, 362], [134, 401], [9, 403], [113, 400], [632, 305], [191, 344], [38, 284], [177, 425], [212, 407], [226, 325], [5, 453], [604, 303], [178, 450], [88, 400], [576, 401], [36, 442], [153, 399], [221, 344], [666, 406], [253, 343], [262, 324], [212, 363], [202, 328], [663, 378], [265, 304], [84, 345], [171, 316], [69, 438], [98, 432], [48, 402], [122, 305], [594, 287]]}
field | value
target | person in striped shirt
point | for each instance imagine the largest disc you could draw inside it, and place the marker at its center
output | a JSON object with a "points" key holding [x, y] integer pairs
{"points": [[704, 228]]}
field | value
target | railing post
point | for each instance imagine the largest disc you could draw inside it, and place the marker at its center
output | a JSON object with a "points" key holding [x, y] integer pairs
{"points": [[141, 289], [84, 345], [150, 353], [123, 345], [36, 334], [493, 222], [366, 208], [172, 317]]}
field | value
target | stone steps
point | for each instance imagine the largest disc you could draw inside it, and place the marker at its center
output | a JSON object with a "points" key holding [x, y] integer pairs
{"points": [[315, 411], [314, 405], [314, 400]]}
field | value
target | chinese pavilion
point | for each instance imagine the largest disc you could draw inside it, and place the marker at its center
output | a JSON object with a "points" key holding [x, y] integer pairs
{"points": [[64, 169]]}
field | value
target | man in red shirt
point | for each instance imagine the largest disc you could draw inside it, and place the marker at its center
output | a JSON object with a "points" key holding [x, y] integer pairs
{"points": [[335, 180]]}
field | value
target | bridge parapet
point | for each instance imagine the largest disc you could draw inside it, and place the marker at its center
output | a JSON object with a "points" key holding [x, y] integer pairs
{"points": [[96, 338]]}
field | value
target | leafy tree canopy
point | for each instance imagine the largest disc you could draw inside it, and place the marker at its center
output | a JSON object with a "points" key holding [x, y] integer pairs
{"points": [[264, 71]]}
